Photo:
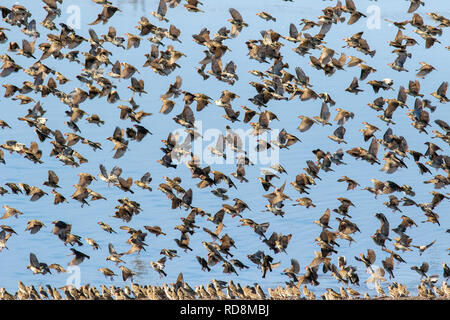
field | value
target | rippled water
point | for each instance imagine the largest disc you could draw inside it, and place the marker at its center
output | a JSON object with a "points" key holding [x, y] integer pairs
{"points": [[141, 157]]}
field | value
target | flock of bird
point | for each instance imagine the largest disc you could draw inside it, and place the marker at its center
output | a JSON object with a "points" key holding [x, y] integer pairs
{"points": [[99, 77]]}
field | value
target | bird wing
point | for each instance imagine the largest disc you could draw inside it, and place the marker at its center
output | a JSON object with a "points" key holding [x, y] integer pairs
{"points": [[293, 32], [162, 7], [34, 261], [295, 266], [373, 148], [220, 144], [442, 90], [371, 256], [340, 132], [146, 178], [235, 15], [325, 112], [52, 177], [111, 249]]}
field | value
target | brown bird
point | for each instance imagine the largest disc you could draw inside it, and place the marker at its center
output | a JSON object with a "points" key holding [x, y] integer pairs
{"points": [[305, 201], [266, 16], [104, 16], [10, 212], [425, 247], [415, 4], [34, 226], [192, 6], [183, 242], [354, 87], [306, 123], [161, 11], [156, 230], [424, 70], [78, 257], [324, 220], [120, 144], [52, 181], [107, 273], [388, 265], [277, 195], [324, 115], [441, 93], [352, 184], [92, 243], [368, 260], [237, 22], [338, 135]]}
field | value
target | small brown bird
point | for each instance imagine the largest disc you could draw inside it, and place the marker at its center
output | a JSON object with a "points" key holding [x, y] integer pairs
{"points": [[354, 87], [10, 212], [104, 16], [156, 230], [305, 201], [34, 226], [441, 93], [338, 135], [161, 12], [424, 70], [415, 4], [183, 242], [306, 123], [352, 184], [133, 41], [422, 270], [127, 273], [37, 267], [59, 198], [106, 227], [388, 265], [92, 243], [107, 273], [425, 247], [158, 266], [52, 181], [266, 16], [78, 257], [237, 22]]}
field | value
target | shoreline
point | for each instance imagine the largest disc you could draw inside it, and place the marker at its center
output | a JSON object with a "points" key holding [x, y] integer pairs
{"points": [[217, 291]]}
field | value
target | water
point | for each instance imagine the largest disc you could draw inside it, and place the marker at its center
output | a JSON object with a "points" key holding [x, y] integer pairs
{"points": [[141, 157]]}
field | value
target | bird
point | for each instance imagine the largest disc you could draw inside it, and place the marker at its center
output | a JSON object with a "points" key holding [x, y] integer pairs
{"points": [[368, 260], [425, 247], [158, 266], [37, 267], [34, 226], [107, 12], [161, 12], [106, 227], [422, 270], [441, 92], [107, 273], [103, 76], [78, 257], [10, 212], [354, 87], [92, 243], [126, 273]]}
